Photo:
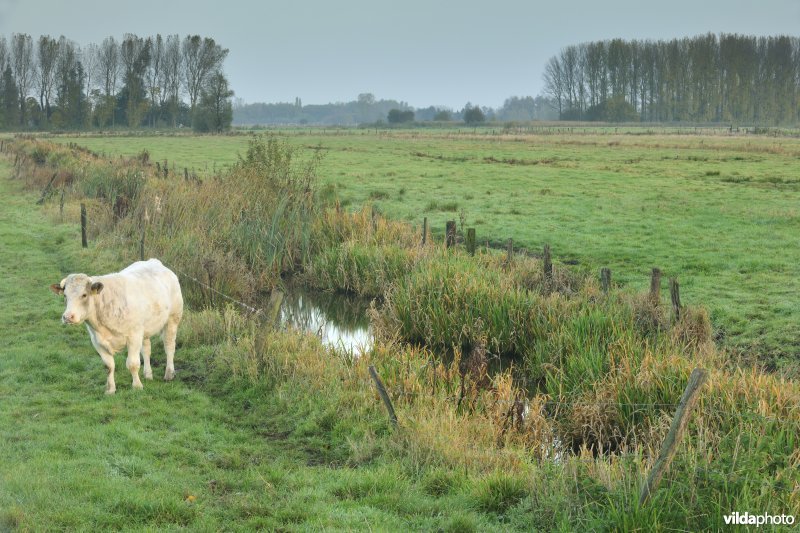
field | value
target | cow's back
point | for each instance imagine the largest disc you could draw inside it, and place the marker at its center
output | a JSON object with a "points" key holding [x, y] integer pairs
{"points": [[145, 294], [151, 274]]}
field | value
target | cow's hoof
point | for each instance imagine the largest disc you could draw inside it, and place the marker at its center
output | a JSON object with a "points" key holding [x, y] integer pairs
{"points": [[148, 375], [138, 386], [110, 392], [169, 375]]}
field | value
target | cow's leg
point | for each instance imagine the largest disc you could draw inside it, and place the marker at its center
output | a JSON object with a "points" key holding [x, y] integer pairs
{"points": [[148, 372], [108, 360], [170, 332], [134, 358]]}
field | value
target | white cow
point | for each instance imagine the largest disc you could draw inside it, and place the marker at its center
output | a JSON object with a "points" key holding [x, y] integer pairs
{"points": [[124, 310]]}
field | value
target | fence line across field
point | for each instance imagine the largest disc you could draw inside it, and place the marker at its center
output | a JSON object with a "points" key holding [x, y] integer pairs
{"points": [[449, 241], [399, 392]]}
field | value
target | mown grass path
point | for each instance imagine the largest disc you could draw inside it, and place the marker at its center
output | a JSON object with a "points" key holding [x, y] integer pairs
{"points": [[172, 456]]}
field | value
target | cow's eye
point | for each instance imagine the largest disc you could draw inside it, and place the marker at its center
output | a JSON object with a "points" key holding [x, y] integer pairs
{"points": [[84, 296]]}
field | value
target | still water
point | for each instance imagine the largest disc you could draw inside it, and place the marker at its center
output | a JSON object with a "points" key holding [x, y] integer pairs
{"points": [[339, 320]]}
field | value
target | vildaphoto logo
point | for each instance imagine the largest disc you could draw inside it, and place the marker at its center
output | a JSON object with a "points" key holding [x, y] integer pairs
{"points": [[758, 520]]}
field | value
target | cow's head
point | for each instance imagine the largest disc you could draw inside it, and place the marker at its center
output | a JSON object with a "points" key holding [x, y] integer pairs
{"points": [[79, 292]]}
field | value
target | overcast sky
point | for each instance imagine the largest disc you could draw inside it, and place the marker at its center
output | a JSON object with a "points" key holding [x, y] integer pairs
{"points": [[424, 52]]}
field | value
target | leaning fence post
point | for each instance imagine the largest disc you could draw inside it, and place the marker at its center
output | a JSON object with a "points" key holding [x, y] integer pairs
{"points": [[450, 234], [84, 243], [605, 279], [46, 189], [679, 423], [383, 394], [424, 230], [655, 286], [675, 295]]}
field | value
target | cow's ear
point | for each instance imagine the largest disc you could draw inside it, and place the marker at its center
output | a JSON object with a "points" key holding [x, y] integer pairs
{"points": [[57, 288], [97, 287]]}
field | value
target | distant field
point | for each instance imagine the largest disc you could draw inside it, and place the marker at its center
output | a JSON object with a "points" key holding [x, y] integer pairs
{"points": [[722, 213]]}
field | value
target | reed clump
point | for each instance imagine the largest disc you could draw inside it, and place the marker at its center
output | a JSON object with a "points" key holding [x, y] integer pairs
{"points": [[238, 232]]}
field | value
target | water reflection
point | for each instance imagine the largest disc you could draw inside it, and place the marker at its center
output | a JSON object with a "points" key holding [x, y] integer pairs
{"points": [[339, 320]]}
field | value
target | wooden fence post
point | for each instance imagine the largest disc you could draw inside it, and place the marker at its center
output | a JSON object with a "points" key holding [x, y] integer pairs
{"points": [[510, 251], [547, 264], [61, 203], [605, 279], [185, 174], [450, 234], [655, 286], [274, 308], [675, 295], [424, 230], [471, 241], [383, 394], [84, 243], [679, 423]]}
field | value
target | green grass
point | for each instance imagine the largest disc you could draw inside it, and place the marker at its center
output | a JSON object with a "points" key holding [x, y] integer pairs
{"points": [[176, 455], [720, 213], [266, 429]]}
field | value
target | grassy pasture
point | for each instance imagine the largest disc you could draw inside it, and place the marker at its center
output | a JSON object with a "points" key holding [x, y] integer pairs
{"points": [[720, 212], [266, 429]]}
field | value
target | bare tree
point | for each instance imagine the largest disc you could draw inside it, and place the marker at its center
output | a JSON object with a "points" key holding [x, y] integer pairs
{"points": [[554, 85], [89, 58], [107, 74], [172, 75], [201, 57], [4, 54], [154, 76], [108, 64], [24, 68], [46, 55], [573, 82], [66, 59]]}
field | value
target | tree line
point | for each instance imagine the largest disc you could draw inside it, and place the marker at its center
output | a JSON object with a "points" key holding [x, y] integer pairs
{"points": [[50, 83], [707, 78], [366, 109]]}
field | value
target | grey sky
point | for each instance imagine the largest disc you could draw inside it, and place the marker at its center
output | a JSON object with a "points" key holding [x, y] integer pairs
{"points": [[420, 51]]}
